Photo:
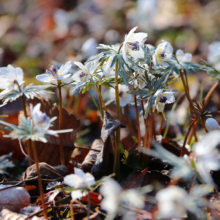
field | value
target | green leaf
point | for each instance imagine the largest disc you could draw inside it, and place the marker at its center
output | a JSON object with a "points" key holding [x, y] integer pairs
{"points": [[150, 102], [161, 81], [139, 92]]}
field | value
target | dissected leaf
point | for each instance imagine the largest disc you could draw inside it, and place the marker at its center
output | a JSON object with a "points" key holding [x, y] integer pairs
{"points": [[92, 155], [49, 152], [14, 198], [5, 163]]}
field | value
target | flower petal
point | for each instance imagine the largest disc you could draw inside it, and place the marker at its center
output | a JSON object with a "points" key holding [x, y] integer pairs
{"points": [[80, 65], [64, 69], [77, 194], [89, 179], [45, 77], [140, 37], [124, 52], [73, 181], [131, 33], [79, 172]]}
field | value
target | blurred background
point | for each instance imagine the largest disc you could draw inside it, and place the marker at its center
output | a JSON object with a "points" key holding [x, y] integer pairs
{"points": [[33, 33]]}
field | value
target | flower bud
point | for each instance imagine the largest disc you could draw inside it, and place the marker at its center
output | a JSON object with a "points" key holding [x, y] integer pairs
{"points": [[211, 124]]}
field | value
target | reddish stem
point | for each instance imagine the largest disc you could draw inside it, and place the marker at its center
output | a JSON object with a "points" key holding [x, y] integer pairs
{"points": [[187, 134], [39, 179], [138, 124], [62, 158]]}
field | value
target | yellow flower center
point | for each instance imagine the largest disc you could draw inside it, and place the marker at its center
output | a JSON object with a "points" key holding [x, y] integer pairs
{"points": [[158, 54]]}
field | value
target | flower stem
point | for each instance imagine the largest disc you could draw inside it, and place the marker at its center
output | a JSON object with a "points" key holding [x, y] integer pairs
{"points": [[138, 124], [39, 179], [118, 131], [187, 134], [151, 129], [116, 168], [89, 204], [186, 89], [95, 103], [206, 101], [71, 209], [142, 105], [101, 101], [161, 126], [129, 122], [190, 108], [99, 88], [29, 150], [62, 158]]}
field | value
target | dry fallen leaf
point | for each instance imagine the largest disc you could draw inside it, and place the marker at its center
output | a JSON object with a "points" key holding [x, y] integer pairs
{"points": [[49, 152], [110, 124], [8, 215], [14, 198], [46, 171], [90, 159]]}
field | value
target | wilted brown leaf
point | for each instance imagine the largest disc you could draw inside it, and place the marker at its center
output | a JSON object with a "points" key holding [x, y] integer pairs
{"points": [[92, 155], [135, 183], [14, 198], [49, 152], [8, 215], [110, 124], [46, 171]]}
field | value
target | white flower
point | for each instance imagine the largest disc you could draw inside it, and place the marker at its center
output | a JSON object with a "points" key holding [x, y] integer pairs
{"points": [[207, 156], [41, 121], [163, 53], [35, 128], [54, 74], [183, 57], [107, 70], [214, 54], [161, 98], [132, 44], [171, 202], [115, 198], [211, 124], [79, 180], [85, 73], [124, 97], [138, 81], [8, 76], [111, 191]]}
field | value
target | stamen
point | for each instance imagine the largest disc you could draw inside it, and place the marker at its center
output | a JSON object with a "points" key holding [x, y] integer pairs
{"points": [[134, 46], [121, 93], [163, 99], [53, 70], [82, 74]]}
